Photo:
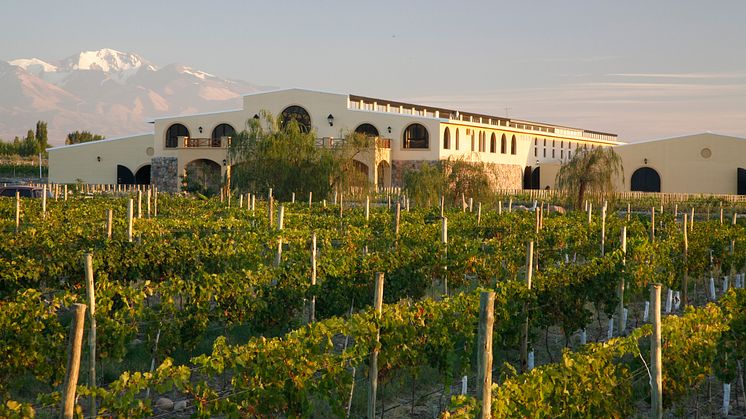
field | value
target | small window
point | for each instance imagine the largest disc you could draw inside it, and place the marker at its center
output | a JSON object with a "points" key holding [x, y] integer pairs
{"points": [[446, 139], [493, 143], [416, 136], [552, 153], [503, 145], [545, 153], [297, 114], [457, 130]]}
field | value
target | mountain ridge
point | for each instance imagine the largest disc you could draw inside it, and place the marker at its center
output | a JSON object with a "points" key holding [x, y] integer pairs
{"points": [[107, 92]]}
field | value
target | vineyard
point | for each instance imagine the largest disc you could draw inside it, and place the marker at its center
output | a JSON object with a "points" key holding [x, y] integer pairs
{"points": [[248, 307]]}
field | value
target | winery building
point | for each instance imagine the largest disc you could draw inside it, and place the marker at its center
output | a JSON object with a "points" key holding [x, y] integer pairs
{"points": [[519, 154]]}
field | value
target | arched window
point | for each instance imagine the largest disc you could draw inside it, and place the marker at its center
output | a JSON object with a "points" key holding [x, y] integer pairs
{"points": [[456, 148], [446, 139], [124, 175], [513, 146], [645, 179], [298, 114], [503, 145], [472, 140], [367, 129], [174, 132], [493, 143], [416, 136], [222, 130]]}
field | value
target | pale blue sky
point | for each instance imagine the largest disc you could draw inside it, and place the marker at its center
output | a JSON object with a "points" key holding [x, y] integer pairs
{"points": [[642, 69]]}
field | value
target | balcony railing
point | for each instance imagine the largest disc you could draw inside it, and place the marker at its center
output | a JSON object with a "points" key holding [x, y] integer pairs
{"points": [[222, 142], [329, 142]]}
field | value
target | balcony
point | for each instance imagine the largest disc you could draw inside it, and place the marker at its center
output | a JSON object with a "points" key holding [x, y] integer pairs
{"points": [[189, 142]]}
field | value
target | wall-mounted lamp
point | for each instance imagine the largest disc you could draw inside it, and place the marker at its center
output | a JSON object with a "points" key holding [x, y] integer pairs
{"points": [[98, 158], [200, 130], [537, 162], [330, 118], [645, 160], [225, 162], [256, 116], [389, 129]]}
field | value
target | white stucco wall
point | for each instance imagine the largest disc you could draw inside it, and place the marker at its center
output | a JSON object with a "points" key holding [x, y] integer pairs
{"points": [[69, 163]]}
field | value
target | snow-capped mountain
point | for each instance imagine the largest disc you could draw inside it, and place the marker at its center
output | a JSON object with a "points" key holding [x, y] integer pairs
{"points": [[106, 92]]}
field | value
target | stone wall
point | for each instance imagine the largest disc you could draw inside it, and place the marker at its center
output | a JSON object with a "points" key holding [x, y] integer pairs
{"points": [[164, 173], [502, 176]]}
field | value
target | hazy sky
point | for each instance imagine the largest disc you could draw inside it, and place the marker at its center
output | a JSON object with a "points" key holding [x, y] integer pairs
{"points": [[642, 69]]}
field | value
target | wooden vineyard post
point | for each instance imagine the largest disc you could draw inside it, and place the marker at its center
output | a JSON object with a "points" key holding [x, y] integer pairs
{"points": [[139, 203], [656, 382], [620, 310], [471, 204], [292, 198], [685, 281], [312, 314], [442, 205], [652, 224], [44, 202], [373, 368], [155, 201], [73, 361], [397, 218], [310, 199], [109, 219], [240, 201], [280, 217], [18, 212], [484, 359], [691, 221], [500, 207], [90, 291], [603, 229], [444, 240], [590, 212], [510, 205], [65, 192], [270, 208], [367, 208], [147, 201], [341, 205], [479, 213], [529, 275], [129, 220]]}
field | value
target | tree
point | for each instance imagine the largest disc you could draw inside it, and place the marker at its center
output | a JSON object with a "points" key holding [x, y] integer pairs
{"points": [[283, 157], [591, 170], [450, 178], [78, 137], [41, 137]]}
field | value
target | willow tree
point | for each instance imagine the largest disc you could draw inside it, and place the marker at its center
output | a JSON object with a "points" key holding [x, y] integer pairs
{"points": [[591, 170], [288, 159]]}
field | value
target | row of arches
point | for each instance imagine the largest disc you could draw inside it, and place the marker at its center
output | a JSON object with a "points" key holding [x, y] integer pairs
{"points": [[482, 142], [179, 130], [126, 177]]}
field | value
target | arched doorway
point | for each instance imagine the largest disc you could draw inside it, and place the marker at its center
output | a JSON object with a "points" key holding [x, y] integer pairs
{"points": [[741, 181], [527, 178], [202, 176], [367, 129], [124, 176], [645, 179], [142, 176], [174, 132], [221, 135], [536, 178]]}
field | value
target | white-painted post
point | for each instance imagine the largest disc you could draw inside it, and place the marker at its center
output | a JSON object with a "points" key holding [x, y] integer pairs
{"points": [[479, 213], [292, 198], [139, 203], [603, 230], [109, 222], [620, 290], [280, 217], [44, 202], [484, 348], [373, 365], [590, 212], [367, 208], [310, 199], [130, 214], [18, 212]]}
